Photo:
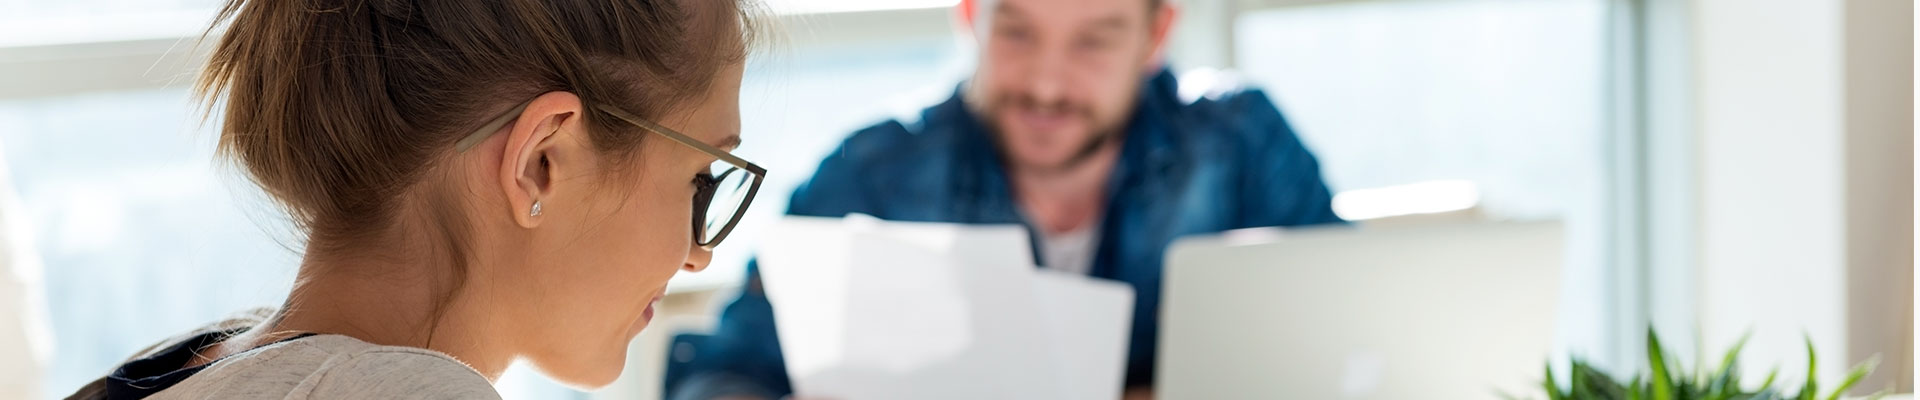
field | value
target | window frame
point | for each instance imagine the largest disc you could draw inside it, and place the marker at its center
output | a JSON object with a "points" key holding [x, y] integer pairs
{"points": [[1649, 232]]}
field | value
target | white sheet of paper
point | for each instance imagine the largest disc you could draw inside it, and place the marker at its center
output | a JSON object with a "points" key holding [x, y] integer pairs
{"points": [[1088, 320], [885, 310]]}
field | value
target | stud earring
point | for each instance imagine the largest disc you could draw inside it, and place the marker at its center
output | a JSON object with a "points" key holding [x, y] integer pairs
{"points": [[536, 209]]}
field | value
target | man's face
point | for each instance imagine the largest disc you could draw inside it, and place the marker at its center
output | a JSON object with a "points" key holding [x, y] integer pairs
{"points": [[1058, 76]]}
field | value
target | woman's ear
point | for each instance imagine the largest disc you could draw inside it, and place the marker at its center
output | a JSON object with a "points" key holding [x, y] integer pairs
{"points": [[534, 155]]}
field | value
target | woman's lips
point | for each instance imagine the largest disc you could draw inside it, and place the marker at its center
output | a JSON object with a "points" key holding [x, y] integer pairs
{"points": [[648, 315]]}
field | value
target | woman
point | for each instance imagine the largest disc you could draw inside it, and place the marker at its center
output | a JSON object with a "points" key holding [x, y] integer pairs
{"points": [[479, 182]]}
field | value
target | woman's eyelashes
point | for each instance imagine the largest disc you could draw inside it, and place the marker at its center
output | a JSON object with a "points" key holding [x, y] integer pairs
{"points": [[702, 179]]}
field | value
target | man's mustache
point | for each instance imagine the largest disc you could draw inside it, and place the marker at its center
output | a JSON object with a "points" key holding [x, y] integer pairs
{"points": [[1030, 103]]}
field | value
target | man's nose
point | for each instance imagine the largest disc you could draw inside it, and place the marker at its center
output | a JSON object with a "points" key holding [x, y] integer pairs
{"points": [[1045, 79]]}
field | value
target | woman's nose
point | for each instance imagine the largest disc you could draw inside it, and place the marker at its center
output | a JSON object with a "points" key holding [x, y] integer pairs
{"points": [[697, 259]]}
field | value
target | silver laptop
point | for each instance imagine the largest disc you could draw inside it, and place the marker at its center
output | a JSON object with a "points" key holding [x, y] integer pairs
{"points": [[1445, 311]]}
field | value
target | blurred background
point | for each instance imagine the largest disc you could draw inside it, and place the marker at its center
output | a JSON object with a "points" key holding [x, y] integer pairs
{"points": [[1722, 166]]}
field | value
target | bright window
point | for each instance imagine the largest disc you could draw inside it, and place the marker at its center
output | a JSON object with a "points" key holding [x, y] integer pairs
{"points": [[1507, 95]]}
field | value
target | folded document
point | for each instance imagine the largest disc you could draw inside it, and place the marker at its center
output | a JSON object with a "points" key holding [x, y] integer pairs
{"points": [[869, 309]]}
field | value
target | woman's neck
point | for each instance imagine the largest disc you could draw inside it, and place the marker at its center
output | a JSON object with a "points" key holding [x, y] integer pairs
{"points": [[390, 303]]}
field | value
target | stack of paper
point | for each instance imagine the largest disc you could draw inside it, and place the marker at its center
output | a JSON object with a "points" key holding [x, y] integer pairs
{"points": [[868, 309]]}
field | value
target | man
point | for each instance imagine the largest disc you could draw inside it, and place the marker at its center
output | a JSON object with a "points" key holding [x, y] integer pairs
{"points": [[1072, 126]]}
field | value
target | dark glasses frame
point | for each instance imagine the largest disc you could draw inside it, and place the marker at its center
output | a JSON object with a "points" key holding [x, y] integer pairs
{"points": [[703, 195]]}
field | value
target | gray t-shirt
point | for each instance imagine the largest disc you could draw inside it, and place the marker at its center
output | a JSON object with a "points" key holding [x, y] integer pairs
{"points": [[319, 367]]}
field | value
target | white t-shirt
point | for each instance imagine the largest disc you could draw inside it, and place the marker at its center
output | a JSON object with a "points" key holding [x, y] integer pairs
{"points": [[1071, 251], [321, 367]]}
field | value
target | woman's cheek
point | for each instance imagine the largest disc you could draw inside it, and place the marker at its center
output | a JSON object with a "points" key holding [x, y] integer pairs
{"points": [[667, 227]]}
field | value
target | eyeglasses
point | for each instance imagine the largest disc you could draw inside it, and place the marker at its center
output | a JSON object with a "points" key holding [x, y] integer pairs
{"points": [[721, 194]]}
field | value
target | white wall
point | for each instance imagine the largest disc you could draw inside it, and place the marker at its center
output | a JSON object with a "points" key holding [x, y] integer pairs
{"points": [[1804, 137]]}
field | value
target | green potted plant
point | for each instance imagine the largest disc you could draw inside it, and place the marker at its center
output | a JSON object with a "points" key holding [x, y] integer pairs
{"points": [[1665, 381]]}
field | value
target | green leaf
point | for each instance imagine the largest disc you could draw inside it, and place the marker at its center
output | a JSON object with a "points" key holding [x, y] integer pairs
{"points": [[1812, 388], [1733, 355], [1725, 386], [1577, 374], [1768, 384], [1854, 376], [1552, 387], [1657, 359], [1596, 384]]}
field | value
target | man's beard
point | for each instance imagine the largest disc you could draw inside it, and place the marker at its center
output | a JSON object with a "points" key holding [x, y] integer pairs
{"points": [[1102, 135]]}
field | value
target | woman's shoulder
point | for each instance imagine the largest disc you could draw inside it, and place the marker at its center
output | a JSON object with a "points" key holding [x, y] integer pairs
{"points": [[335, 366]]}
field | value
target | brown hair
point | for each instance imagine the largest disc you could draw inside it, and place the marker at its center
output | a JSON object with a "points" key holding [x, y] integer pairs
{"points": [[337, 107]]}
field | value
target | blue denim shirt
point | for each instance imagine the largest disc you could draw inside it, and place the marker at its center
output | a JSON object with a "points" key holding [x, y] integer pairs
{"points": [[1223, 161]]}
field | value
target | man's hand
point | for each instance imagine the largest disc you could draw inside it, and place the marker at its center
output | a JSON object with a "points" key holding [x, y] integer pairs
{"points": [[1138, 393]]}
